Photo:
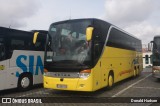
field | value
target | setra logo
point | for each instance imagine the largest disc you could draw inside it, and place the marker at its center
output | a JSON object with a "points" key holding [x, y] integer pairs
{"points": [[30, 67]]}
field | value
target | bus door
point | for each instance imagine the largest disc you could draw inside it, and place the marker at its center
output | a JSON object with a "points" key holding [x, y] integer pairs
{"points": [[97, 57], [3, 73]]}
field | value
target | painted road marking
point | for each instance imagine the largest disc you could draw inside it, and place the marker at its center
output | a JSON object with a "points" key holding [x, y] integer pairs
{"points": [[146, 88], [120, 92], [115, 95], [38, 92]]}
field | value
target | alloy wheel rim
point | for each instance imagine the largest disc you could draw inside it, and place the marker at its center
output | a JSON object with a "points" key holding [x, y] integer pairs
{"points": [[25, 82]]}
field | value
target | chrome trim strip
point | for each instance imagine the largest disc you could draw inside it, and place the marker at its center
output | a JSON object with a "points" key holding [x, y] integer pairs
{"points": [[62, 74]]}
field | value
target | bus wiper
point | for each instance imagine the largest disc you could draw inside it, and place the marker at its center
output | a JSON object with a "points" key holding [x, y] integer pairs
{"points": [[70, 62]]}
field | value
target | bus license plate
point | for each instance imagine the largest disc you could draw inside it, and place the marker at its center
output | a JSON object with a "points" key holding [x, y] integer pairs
{"points": [[61, 86]]}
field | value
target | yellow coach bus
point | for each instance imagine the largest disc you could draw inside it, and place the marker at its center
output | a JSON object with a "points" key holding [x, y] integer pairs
{"points": [[89, 54]]}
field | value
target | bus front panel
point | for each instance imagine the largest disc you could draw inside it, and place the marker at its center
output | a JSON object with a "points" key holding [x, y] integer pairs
{"points": [[74, 84]]}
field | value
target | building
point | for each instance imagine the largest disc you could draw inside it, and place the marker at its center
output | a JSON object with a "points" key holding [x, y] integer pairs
{"points": [[147, 57]]}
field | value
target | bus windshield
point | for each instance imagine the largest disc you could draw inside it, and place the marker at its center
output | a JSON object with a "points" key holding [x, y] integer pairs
{"points": [[67, 43], [157, 41]]}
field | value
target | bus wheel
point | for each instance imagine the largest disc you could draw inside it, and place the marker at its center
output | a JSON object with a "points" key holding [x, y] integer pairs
{"points": [[25, 82], [110, 81]]}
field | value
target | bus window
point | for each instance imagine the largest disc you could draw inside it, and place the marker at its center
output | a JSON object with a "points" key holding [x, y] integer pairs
{"points": [[17, 44], [97, 48], [2, 51], [39, 46], [151, 59], [40, 43], [146, 59]]}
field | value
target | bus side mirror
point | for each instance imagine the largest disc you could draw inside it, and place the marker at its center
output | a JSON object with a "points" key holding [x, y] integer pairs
{"points": [[2, 51], [89, 32], [150, 45], [35, 37]]}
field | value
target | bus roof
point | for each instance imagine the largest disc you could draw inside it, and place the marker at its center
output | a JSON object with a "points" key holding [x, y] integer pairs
{"points": [[157, 36], [94, 19], [4, 30]]}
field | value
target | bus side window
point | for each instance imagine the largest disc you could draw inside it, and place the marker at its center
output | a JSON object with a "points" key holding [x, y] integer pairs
{"points": [[97, 47], [39, 46], [146, 59], [40, 43], [2, 51], [17, 44], [151, 59]]}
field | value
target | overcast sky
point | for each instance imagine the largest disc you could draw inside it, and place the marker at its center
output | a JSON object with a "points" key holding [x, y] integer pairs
{"points": [[138, 17]]}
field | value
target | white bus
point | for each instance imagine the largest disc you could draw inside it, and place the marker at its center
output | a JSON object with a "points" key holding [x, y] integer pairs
{"points": [[21, 62]]}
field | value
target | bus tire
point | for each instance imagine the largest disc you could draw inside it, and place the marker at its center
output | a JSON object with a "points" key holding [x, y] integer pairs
{"points": [[135, 72], [25, 82], [110, 80], [158, 79]]}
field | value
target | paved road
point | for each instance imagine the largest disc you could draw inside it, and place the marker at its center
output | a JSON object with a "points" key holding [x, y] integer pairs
{"points": [[142, 86]]}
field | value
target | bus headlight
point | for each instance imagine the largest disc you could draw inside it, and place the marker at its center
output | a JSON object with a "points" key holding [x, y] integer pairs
{"points": [[45, 72], [84, 73]]}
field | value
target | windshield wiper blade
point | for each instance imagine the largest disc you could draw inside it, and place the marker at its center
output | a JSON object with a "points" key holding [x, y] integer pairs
{"points": [[70, 62]]}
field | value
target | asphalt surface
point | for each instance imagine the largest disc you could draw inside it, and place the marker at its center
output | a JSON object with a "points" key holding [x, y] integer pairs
{"points": [[143, 87]]}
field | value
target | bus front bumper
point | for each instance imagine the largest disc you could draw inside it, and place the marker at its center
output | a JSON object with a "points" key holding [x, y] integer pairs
{"points": [[156, 71], [72, 84]]}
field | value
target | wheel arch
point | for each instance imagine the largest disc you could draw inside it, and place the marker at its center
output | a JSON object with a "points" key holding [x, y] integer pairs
{"points": [[112, 73], [29, 74]]}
